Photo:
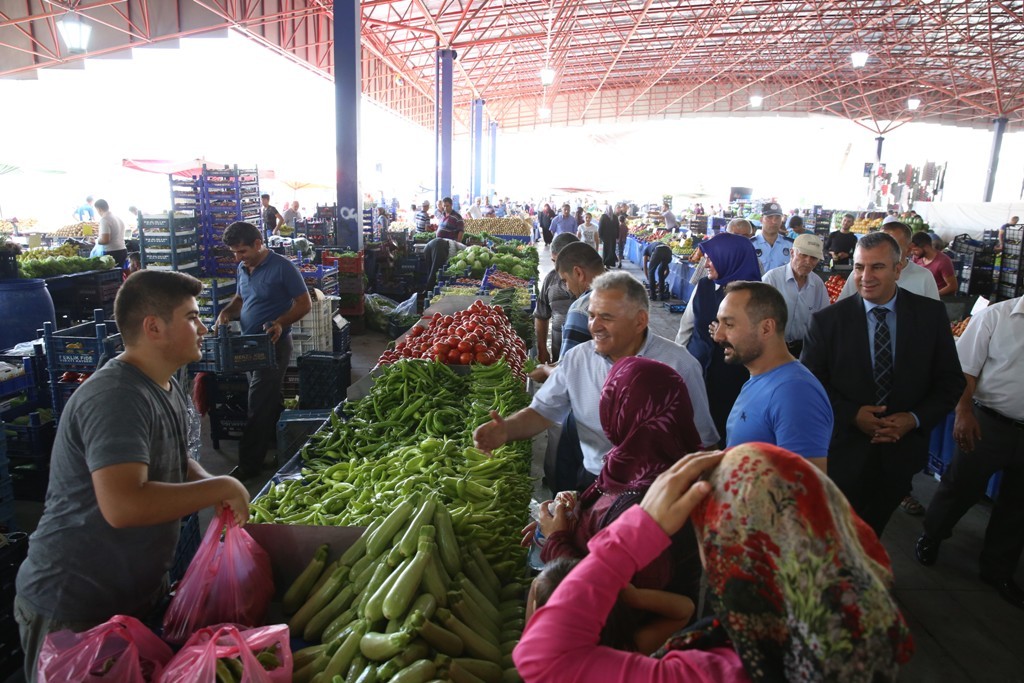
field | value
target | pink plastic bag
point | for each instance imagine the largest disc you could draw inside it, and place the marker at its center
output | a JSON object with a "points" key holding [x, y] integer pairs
{"points": [[196, 662], [228, 581], [134, 653]]}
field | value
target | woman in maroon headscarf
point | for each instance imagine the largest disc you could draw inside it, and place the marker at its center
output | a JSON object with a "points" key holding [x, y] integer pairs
{"points": [[647, 415]]}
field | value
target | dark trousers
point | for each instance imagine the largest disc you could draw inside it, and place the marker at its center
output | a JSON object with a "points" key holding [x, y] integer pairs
{"points": [[657, 271], [569, 459], [119, 256], [436, 254], [875, 479], [1001, 448], [264, 408], [546, 232]]}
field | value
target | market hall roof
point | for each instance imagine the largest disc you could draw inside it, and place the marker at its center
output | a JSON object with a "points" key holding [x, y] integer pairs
{"points": [[611, 60]]}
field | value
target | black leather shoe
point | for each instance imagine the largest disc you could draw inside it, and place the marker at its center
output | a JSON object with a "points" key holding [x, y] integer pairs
{"points": [[1008, 591], [927, 550]]}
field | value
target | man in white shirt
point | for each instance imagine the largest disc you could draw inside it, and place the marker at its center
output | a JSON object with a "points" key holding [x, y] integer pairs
{"points": [[989, 432], [111, 233], [619, 313], [803, 291], [476, 211], [671, 224], [913, 277]]}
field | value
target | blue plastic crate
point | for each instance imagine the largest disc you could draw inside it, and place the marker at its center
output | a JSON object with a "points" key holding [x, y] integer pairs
{"points": [[33, 440], [294, 428], [341, 340], [324, 379], [82, 347]]}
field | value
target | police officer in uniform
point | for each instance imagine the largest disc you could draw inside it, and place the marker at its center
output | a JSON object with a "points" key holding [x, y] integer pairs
{"points": [[772, 247]]}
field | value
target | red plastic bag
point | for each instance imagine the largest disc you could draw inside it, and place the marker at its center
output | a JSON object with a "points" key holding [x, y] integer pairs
{"points": [[228, 581], [196, 662], [122, 650]]}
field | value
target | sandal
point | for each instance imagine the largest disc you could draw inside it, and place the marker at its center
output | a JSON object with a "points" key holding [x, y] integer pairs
{"points": [[912, 506]]}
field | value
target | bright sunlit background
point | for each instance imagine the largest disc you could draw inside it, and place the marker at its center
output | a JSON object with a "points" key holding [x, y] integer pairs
{"points": [[230, 101]]}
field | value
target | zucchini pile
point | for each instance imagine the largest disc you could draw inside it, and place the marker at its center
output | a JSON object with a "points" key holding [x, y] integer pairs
{"points": [[406, 603]]}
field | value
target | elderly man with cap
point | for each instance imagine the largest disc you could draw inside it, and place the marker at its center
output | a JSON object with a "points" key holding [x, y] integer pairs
{"points": [[771, 246], [803, 291]]}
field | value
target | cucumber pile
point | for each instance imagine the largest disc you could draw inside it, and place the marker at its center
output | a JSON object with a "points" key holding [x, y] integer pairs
{"points": [[406, 603]]}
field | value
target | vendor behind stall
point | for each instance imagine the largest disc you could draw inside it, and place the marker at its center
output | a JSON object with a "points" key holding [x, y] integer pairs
{"points": [[120, 477], [438, 251]]}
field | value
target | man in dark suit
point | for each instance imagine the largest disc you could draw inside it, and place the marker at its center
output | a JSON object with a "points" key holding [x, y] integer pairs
{"points": [[887, 359]]}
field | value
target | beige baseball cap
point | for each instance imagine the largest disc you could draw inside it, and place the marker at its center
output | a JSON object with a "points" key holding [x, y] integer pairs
{"points": [[809, 244]]}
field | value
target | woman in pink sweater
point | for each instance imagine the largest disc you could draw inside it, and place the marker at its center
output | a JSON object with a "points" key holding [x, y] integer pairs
{"points": [[802, 584]]}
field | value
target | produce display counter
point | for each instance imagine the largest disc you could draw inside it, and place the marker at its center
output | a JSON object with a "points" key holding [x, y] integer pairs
{"points": [[679, 273]]}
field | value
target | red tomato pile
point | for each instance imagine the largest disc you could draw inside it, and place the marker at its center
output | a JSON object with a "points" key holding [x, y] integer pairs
{"points": [[480, 334], [834, 286]]}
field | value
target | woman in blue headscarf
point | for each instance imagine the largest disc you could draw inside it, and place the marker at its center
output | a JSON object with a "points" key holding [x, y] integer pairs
{"points": [[729, 258]]}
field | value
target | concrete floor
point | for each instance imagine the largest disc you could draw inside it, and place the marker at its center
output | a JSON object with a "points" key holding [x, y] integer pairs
{"points": [[964, 633]]}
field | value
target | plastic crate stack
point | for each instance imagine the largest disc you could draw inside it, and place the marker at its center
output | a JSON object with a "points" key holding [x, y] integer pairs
{"points": [[974, 264], [324, 378], [13, 552], [823, 222], [1011, 283], [229, 404], [320, 231], [170, 241], [26, 431], [76, 296], [351, 303], [324, 278], [225, 196], [217, 293], [313, 333]]}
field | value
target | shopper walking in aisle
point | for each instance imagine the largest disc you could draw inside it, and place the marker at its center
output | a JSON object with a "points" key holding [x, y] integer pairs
{"points": [[989, 434], [272, 296], [840, 243], [564, 222], [578, 265], [657, 260], [579, 216], [451, 227], [291, 214], [782, 403], [619, 315], [544, 219], [913, 278], [647, 416], [729, 258], [803, 291], [423, 218], [608, 233], [111, 234], [120, 475], [587, 232], [766, 521], [272, 218], [552, 305], [623, 234], [924, 254], [771, 245], [901, 340]]}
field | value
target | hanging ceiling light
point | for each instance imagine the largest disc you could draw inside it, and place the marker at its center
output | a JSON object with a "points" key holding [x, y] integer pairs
{"points": [[544, 113], [913, 103], [755, 101], [859, 59], [75, 32], [547, 75]]}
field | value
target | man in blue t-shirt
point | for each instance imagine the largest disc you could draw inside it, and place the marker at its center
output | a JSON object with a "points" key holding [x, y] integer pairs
{"points": [[271, 297], [782, 403]]}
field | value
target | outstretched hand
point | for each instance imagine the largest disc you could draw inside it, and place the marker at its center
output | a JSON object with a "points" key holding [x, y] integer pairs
{"points": [[677, 491], [491, 435]]}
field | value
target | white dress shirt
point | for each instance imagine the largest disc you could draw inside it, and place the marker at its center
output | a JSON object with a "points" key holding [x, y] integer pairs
{"points": [[913, 278], [991, 350], [801, 302], [577, 381], [475, 212]]}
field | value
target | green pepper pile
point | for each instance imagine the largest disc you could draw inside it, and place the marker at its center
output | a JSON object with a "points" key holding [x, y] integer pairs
{"points": [[413, 433]]}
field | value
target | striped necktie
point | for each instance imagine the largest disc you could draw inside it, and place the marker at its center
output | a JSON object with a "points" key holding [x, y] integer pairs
{"points": [[883, 357]]}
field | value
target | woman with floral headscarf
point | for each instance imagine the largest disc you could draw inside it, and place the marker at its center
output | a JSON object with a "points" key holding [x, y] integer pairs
{"points": [[647, 415], [802, 584], [729, 258]]}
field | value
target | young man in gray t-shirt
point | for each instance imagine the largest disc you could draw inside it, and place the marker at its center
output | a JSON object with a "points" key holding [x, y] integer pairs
{"points": [[120, 475]]}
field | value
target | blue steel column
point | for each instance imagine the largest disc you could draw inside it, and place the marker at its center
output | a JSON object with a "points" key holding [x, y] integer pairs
{"points": [[477, 134], [347, 94], [494, 156], [993, 159], [445, 95]]}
